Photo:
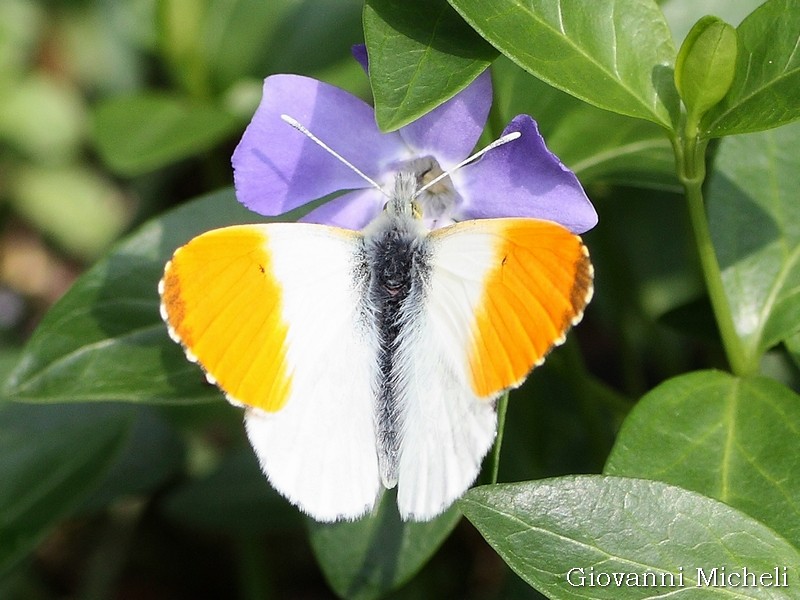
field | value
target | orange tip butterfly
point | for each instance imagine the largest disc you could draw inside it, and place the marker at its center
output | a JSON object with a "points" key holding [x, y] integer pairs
{"points": [[373, 359]]}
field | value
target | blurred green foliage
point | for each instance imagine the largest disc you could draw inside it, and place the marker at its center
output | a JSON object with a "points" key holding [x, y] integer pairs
{"points": [[125, 475]]}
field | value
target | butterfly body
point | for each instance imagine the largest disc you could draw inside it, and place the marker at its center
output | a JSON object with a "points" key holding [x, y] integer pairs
{"points": [[371, 359]]}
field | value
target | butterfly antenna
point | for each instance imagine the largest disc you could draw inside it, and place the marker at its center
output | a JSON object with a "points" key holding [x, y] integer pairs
{"points": [[294, 123], [509, 137]]}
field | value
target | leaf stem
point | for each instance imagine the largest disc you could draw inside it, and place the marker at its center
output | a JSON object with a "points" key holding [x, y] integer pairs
{"points": [[690, 154], [502, 408]]}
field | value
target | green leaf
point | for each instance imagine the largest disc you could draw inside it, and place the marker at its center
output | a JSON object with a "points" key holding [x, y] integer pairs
{"points": [[367, 558], [615, 54], [766, 88], [41, 116], [50, 460], [793, 347], [78, 208], [180, 40], [598, 145], [104, 340], [139, 133], [754, 218], [214, 46], [705, 66], [550, 530], [733, 439], [420, 54], [287, 51], [234, 499]]}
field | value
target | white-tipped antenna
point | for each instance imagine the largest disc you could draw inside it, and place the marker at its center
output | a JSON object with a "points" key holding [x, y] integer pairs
{"points": [[509, 137], [294, 123]]}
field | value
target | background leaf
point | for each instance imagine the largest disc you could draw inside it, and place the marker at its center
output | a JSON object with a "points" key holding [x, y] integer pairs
{"points": [[766, 87], [754, 217], [615, 54], [421, 53], [374, 555], [542, 529], [215, 45], [728, 438], [50, 460], [136, 134]]}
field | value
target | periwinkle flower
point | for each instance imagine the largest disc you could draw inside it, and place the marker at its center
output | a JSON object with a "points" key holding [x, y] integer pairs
{"points": [[277, 168]]}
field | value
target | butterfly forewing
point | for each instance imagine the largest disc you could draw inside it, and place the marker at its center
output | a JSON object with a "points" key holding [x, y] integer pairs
{"points": [[273, 315]]}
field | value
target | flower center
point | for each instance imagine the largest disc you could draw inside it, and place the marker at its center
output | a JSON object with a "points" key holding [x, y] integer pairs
{"points": [[438, 203]]}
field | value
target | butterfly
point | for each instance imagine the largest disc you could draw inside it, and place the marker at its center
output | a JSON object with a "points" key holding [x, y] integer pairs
{"points": [[374, 359]]}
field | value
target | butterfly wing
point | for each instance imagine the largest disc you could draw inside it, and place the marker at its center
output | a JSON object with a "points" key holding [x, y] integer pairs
{"points": [[501, 293], [273, 315]]}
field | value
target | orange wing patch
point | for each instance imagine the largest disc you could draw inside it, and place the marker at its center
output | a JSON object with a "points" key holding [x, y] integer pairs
{"points": [[223, 303], [538, 289]]}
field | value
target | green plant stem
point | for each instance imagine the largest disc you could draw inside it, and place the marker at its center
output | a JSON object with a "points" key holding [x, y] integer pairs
{"points": [[502, 407], [690, 154]]}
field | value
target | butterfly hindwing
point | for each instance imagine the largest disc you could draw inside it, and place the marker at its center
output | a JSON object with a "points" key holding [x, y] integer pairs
{"points": [[500, 294], [273, 315]]}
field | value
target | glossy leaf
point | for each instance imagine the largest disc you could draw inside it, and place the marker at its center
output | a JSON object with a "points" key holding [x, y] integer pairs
{"points": [[50, 460], [754, 217], [547, 530], [766, 88], [367, 558], [705, 66], [136, 134], [104, 340], [421, 53], [729, 438], [615, 54], [598, 145]]}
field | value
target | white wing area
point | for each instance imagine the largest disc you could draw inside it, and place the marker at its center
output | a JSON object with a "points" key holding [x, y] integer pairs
{"points": [[447, 429], [319, 450]]}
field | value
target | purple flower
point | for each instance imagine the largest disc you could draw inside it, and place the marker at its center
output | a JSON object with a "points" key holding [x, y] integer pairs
{"points": [[277, 168]]}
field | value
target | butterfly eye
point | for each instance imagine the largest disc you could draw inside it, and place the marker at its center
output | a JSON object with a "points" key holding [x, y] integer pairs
{"points": [[416, 210], [385, 206]]}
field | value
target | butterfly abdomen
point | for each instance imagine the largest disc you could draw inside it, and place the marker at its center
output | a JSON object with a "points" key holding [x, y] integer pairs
{"points": [[397, 272]]}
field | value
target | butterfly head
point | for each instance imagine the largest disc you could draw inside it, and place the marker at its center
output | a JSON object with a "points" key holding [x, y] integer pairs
{"points": [[402, 211], [422, 192], [402, 202]]}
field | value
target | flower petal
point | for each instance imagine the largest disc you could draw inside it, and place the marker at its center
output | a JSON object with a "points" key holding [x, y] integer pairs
{"points": [[277, 168], [524, 179], [450, 131], [359, 52], [352, 210]]}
